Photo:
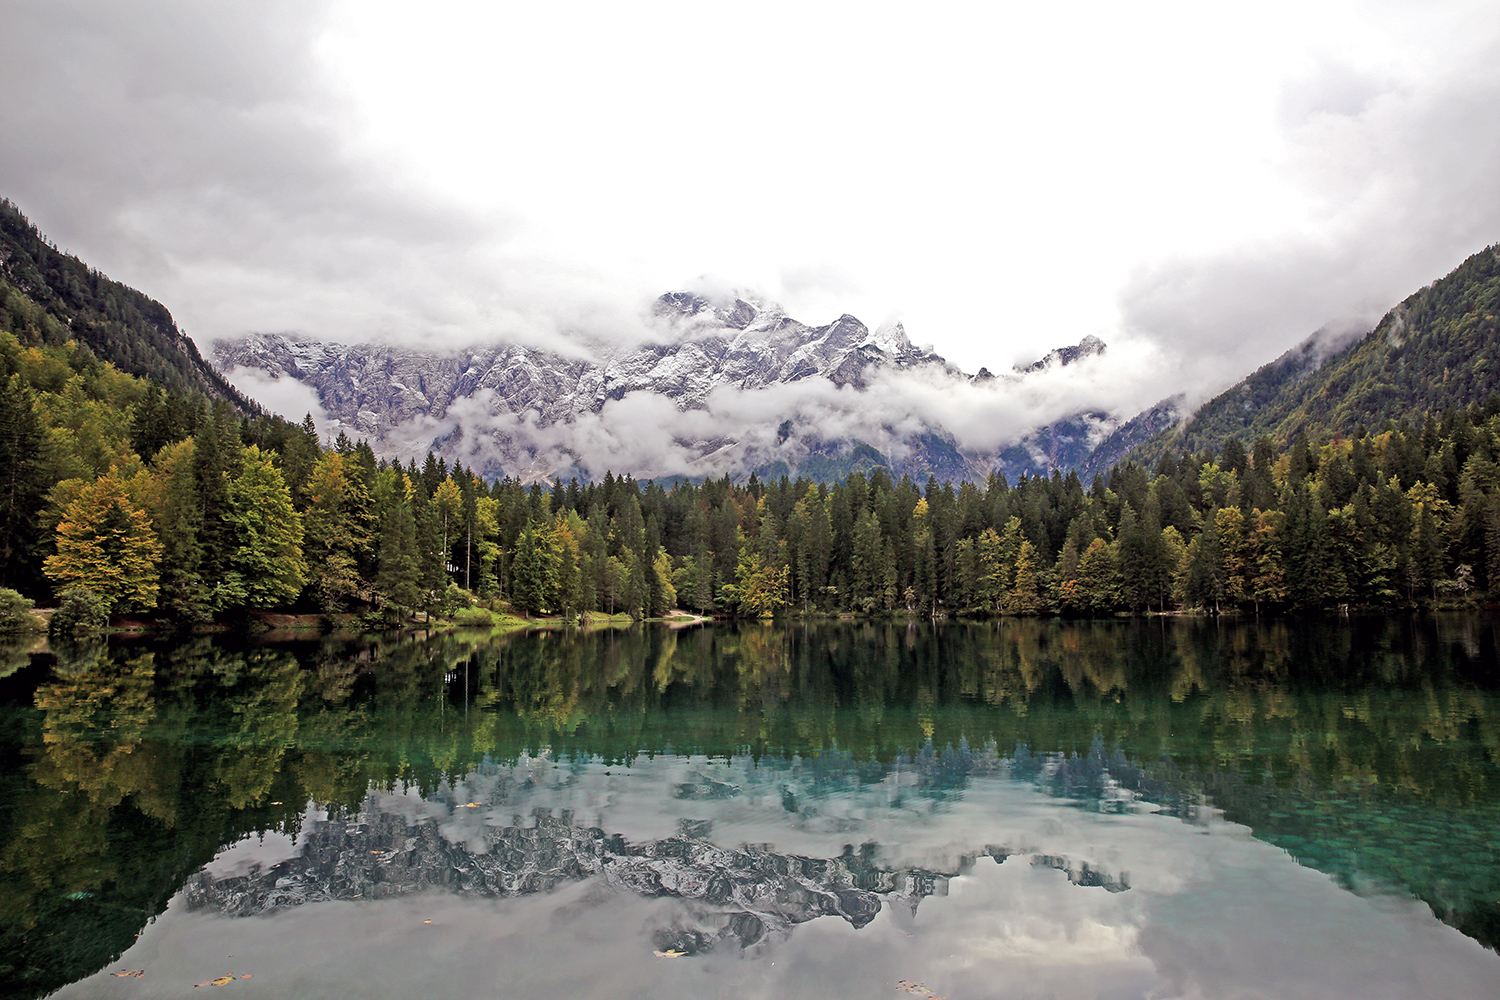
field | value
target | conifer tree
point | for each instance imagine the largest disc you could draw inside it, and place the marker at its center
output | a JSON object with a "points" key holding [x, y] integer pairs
{"points": [[176, 514], [1023, 598], [335, 524], [23, 483], [398, 577]]}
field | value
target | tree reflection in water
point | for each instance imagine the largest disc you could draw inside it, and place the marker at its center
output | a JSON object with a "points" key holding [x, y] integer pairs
{"points": [[1368, 751]]}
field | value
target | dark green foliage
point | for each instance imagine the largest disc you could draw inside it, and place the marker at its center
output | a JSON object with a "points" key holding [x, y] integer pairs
{"points": [[15, 613], [81, 612], [1319, 505], [23, 485]]}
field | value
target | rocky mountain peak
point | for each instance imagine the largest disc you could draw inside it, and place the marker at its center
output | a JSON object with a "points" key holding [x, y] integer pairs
{"points": [[734, 314], [506, 409], [1088, 347]]}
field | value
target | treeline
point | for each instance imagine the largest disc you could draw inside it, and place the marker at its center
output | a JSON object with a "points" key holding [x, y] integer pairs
{"points": [[169, 504]]}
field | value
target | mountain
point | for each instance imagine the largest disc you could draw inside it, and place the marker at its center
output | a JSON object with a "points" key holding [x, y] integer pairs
{"points": [[54, 296], [1436, 350], [731, 387]]}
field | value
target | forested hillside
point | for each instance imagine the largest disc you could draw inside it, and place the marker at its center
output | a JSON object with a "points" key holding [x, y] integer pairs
{"points": [[55, 297], [1438, 349]]}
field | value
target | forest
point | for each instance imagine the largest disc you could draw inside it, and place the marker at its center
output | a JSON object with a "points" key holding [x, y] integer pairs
{"points": [[169, 505]]}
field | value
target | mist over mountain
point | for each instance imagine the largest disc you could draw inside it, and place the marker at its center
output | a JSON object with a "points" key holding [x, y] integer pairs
{"points": [[730, 386], [58, 297], [1439, 348]]}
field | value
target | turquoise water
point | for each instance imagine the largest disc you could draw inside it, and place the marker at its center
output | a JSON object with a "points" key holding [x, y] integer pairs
{"points": [[1024, 808]]}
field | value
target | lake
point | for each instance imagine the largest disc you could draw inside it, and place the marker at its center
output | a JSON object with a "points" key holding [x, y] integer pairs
{"points": [[1023, 808]]}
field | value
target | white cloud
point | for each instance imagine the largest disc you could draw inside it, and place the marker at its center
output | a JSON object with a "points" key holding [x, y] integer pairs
{"points": [[734, 429], [1201, 181]]}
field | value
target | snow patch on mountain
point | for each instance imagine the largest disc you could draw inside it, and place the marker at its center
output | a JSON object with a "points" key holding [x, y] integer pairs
{"points": [[722, 387]]}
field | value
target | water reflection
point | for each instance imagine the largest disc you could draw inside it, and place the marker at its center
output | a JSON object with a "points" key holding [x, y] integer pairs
{"points": [[747, 780]]}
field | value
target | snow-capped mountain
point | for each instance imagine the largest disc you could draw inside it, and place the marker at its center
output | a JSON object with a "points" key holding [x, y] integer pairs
{"points": [[730, 387]]}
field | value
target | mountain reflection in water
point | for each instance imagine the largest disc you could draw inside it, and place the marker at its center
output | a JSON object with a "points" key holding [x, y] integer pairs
{"points": [[736, 895], [744, 781]]}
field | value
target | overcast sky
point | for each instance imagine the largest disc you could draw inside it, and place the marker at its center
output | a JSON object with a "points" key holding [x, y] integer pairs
{"points": [[1205, 184]]}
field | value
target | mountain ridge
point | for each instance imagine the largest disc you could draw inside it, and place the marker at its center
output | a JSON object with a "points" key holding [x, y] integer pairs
{"points": [[1436, 349], [705, 352], [119, 324]]}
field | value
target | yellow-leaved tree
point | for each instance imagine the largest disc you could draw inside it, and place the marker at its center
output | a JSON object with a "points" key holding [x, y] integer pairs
{"points": [[105, 544]]}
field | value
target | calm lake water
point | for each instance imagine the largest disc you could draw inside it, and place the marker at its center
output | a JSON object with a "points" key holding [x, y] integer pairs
{"points": [[1014, 809]]}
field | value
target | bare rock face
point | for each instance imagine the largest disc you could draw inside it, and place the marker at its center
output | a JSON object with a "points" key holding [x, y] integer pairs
{"points": [[508, 409]]}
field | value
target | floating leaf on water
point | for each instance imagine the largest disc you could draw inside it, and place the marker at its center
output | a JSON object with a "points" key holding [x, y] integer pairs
{"points": [[669, 953], [427, 921], [218, 982], [136, 973], [907, 986], [471, 805]]}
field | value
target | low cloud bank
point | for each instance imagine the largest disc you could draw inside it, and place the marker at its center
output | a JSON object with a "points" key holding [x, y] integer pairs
{"points": [[648, 434]]}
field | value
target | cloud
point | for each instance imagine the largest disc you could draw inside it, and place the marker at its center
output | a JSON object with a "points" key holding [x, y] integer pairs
{"points": [[203, 152], [735, 429], [286, 396], [1403, 183], [261, 166]]}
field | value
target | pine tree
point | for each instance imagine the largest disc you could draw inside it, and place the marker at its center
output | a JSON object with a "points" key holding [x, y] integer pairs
{"points": [[176, 514], [23, 483], [399, 577], [534, 573], [335, 524], [1204, 573], [1023, 597]]}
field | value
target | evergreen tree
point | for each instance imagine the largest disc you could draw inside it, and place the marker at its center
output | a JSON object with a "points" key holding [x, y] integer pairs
{"points": [[534, 573], [176, 514], [1023, 597], [1204, 575], [398, 580], [23, 483], [335, 523]]}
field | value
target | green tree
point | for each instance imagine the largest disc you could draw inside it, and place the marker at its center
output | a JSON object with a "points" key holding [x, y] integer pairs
{"points": [[268, 534], [23, 482], [534, 574], [1023, 598], [758, 591], [176, 513], [335, 524], [1099, 578], [398, 579]]}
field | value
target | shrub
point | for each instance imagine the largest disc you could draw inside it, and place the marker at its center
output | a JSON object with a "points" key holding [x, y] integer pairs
{"points": [[15, 613], [81, 611], [473, 616], [455, 598]]}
